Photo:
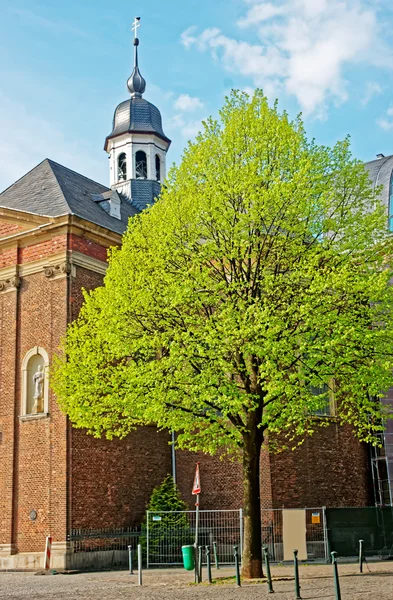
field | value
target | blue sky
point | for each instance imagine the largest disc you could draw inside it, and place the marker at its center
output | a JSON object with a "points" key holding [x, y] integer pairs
{"points": [[64, 66]]}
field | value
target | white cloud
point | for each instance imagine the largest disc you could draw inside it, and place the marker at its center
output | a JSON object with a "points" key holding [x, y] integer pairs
{"points": [[259, 13], [188, 103], [305, 47], [188, 128], [187, 39], [371, 90], [386, 122]]}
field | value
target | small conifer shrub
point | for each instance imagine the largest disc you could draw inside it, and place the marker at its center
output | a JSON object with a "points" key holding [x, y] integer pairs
{"points": [[168, 524]]}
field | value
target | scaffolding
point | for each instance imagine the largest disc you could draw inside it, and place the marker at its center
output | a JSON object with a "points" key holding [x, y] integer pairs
{"points": [[379, 469]]}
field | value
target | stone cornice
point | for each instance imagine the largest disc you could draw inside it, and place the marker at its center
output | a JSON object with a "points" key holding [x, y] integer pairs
{"points": [[38, 266], [58, 225], [8, 272], [88, 262], [33, 235], [95, 232], [52, 267], [20, 217]]}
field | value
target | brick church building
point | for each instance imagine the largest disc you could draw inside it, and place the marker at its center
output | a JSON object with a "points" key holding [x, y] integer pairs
{"points": [[55, 228]]}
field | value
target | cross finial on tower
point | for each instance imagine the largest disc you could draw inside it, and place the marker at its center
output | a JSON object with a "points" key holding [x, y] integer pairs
{"points": [[136, 24], [136, 84]]}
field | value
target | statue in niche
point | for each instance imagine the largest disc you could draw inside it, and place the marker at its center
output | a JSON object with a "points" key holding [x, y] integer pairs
{"points": [[38, 380]]}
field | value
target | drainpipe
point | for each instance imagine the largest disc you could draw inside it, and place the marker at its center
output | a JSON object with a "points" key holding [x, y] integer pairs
{"points": [[173, 457]]}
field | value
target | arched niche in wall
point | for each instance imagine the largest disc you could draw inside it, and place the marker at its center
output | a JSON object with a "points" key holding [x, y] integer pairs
{"points": [[35, 382]]}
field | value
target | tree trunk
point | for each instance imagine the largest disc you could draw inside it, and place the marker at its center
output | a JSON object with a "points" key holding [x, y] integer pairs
{"points": [[252, 549]]}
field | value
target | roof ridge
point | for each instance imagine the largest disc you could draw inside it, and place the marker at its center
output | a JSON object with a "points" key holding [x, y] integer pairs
{"points": [[25, 175], [63, 193], [53, 162]]}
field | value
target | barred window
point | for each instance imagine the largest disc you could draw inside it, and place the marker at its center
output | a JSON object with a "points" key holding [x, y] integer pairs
{"points": [[326, 409], [140, 165], [122, 167]]}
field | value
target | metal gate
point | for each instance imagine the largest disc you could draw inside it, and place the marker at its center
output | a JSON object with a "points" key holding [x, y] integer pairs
{"points": [[372, 524], [168, 531], [316, 534]]}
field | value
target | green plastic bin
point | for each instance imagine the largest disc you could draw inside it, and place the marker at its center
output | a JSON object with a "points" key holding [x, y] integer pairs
{"points": [[188, 557]]}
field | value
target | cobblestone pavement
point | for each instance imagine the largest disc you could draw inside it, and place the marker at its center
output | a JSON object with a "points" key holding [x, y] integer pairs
{"points": [[375, 583]]}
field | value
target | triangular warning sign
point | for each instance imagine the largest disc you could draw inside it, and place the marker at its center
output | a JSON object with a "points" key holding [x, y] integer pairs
{"points": [[196, 488]]}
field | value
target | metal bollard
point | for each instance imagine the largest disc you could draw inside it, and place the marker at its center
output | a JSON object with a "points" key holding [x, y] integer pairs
{"points": [[215, 554], [200, 564], [297, 584], [268, 574], [130, 559], [196, 564], [336, 580], [236, 555], [361, 556], [139, 564], [208, 565]]}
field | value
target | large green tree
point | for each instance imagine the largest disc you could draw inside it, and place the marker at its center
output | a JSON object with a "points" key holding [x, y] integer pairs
{"points": [[261, 273]]}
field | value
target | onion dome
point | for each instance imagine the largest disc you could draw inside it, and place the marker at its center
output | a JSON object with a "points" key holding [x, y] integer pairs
{"points": [[136, 115], [136, 83]]}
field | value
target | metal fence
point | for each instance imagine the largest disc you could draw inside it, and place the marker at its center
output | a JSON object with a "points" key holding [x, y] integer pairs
{"points": [[167, 531], [316, 534], [101, 548], [372, 524]]}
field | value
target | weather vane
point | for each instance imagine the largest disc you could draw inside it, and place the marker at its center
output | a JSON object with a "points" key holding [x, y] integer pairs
{"points": [[135, 25]]}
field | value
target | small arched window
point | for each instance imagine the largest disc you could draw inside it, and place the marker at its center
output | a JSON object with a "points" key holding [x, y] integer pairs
{"points": [[158, 168], [122, 167], [391, 203], [140, 165]]}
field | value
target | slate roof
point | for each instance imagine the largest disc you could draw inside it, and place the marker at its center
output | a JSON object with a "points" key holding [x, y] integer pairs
{"points": [[137, 115], [53, 190], [380, 171], [143, 192]]}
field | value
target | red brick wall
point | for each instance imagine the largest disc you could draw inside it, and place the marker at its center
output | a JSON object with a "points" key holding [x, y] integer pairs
{"points": [[37, 251], [40, 459], [8, 317], [8, 257], [84, 279], [266, 480], [112, 480], [88, 247], [330, 469], [221, 481]]}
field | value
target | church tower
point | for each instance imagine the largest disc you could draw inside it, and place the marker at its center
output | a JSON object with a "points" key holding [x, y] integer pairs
{"points": [[137, 145]]}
